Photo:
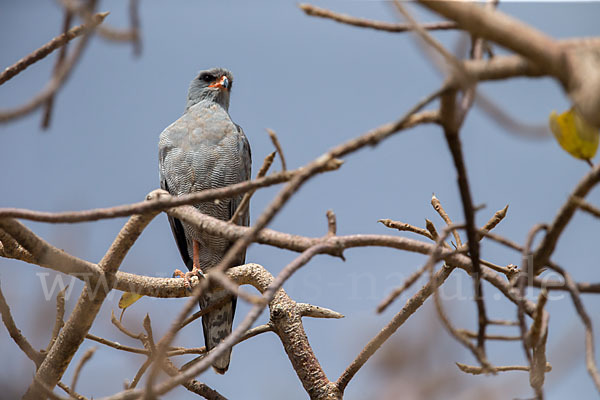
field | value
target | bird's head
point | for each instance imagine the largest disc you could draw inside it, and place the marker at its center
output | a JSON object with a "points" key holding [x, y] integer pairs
{"points": [[213, 84]]}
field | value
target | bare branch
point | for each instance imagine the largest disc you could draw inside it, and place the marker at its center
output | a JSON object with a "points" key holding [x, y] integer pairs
{"points": [[159, 204], [16, 334], [49, 47], [411, 306], [565, 213], [55, 83], [115, 345], [315, 11], [479, 370]]}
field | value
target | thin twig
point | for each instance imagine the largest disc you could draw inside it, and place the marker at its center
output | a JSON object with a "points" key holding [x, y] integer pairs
{"points": [[411, 306], [399, 290], [565, 213], [585, 206], [140, 373], [134, 22], [277, 145], [473, 370], [60, 315], [116, 345], [437, 206], [86, 357], [478, 352], [16, 334], [59, 61], [70, 392], [473, 335], [526, 272], [403, 226], [116, 322], [590, 360]]}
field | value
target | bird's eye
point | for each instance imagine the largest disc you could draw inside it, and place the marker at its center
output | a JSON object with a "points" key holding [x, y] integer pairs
{"points": [[207, 77]]}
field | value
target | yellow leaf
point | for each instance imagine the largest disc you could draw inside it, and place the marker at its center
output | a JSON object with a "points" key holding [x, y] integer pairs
{"points": [[574, 134], [128, 299]]}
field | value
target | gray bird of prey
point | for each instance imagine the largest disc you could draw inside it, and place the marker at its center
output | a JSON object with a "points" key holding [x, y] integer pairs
{"points": [[205, 149]]}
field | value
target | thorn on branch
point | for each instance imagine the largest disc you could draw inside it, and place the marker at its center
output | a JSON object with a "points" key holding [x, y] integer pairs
{"points": [[495, 220], [309, 310], [431, 228]]}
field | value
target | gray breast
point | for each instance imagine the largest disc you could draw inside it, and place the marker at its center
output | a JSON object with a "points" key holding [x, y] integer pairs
{"points": [[204, 150]]}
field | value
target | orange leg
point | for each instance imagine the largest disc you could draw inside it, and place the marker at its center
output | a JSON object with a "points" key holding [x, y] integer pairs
{"points": [[196, 271]]}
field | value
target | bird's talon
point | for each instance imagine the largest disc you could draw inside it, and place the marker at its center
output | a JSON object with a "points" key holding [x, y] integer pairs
{"points": [[186, 278]]}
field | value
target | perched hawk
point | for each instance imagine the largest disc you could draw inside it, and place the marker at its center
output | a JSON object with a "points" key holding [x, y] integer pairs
{"points": [[205, 149]]}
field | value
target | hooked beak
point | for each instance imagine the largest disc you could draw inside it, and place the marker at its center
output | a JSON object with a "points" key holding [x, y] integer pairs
{"points": [[223, 83]]}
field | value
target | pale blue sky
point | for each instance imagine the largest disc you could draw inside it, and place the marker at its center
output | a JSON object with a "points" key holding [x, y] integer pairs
{"points": [[316, 83]]}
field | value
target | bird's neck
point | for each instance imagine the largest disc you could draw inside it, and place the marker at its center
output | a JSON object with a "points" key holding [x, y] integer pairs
{"points": [[220, 98]]}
